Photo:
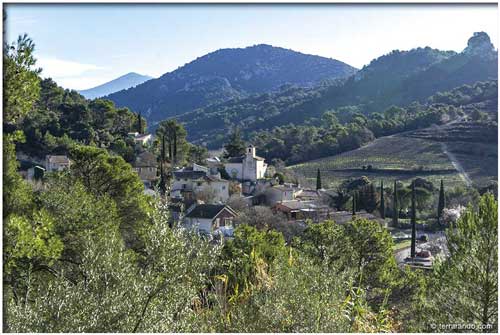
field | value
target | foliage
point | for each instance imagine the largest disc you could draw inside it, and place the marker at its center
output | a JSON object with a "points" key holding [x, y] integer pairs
{"points": [[373, 254], [20, 82], [61, 118], [235, 146], [174, 135], [103, 174], [465, 285]]}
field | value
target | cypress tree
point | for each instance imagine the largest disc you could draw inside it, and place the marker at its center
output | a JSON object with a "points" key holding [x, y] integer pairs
{"points": [[175, 146], [162, 183], [139, 123], [440, 202], [395, 209], [162, 148], [354, 196], [413, 221], [382, 201], [372, 200], [318, 180]]}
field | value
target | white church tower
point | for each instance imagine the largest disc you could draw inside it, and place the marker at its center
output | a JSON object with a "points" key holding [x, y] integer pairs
{"points": [[247, 167]]}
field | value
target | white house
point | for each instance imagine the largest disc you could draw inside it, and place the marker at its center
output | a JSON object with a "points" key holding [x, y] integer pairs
{"points": [[142, 139], [57, 163], [247, 167], [191, 182], [209, 218]]}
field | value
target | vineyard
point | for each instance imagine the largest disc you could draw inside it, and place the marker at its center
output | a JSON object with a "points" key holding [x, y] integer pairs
{"points": [[404, 157]]}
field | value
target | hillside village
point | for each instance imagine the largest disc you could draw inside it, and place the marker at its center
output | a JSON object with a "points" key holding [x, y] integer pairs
{"points": [[254, 190], [210, 198]]}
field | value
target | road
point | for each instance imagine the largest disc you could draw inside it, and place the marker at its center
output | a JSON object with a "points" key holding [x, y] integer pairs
{"points": [[437, 241], [456, 164]]}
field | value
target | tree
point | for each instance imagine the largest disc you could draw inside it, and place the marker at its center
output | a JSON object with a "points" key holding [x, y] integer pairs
{"points": [[354, 202], [326, 242], [21, 84], [17, 193], [235, 145], [382, 202], [373, 255], [109, 287], [260, 217], [413, 222], [318, 180], [162, 183], [280, 177], [197, 154], [441, 203], [395, 207], [140, 129], [175, 138], [464, 289], [106, 175]]}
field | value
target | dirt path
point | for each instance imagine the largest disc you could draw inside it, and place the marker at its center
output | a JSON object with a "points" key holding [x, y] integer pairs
{"points": [[456, 164]]}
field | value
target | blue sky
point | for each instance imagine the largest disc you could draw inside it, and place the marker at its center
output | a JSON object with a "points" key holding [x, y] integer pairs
{"points": [[81, 46]]}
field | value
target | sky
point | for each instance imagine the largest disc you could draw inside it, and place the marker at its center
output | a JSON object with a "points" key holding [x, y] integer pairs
{"points": [[85, 45]]}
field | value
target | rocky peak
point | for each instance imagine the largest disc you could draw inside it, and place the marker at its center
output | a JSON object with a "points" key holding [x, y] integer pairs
{"points": [[480, 44]]}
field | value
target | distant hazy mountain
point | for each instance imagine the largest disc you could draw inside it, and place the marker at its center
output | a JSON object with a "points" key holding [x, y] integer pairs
{"points": [[226, 74], [126, 81]]}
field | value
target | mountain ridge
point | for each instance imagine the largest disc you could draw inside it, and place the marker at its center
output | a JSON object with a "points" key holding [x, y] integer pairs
{"points": [[125, 81], [226, 74]]}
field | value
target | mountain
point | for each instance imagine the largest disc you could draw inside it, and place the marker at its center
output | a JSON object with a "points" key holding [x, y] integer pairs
{"points": [[126, 81], [227, 74], [398, 78], [405, 76]]}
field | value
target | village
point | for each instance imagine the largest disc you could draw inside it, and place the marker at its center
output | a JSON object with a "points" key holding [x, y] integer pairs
{"points": [[210, 198]]}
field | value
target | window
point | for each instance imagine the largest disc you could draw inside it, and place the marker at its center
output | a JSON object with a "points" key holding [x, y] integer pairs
{"points": [[217, 223], [228, 222], [223, 187], [198, 183]]}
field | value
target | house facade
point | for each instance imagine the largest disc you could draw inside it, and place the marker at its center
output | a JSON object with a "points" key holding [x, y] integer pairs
{"points": [[302, 210], [57, 163], [247, 167], [146, 167], [190, 183], [208, 218], [280, 193]]}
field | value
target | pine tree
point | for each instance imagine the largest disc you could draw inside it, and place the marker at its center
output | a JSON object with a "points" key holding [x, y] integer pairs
{"points": [[467, 290], [395, 208], [235, 146], [413, 222], [382, 202], [440, 202], [318, 181]]}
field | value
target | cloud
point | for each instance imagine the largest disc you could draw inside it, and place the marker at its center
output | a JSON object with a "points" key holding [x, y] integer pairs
{"points": [[57, 68]]}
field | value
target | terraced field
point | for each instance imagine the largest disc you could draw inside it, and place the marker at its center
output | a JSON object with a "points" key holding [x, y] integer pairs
{"points": [[434, 153]]}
